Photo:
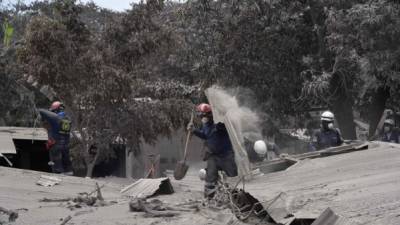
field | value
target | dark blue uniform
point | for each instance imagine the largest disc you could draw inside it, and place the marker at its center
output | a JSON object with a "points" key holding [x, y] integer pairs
{"points": [[221, 156], [392, 136], [326, 138], [58, 140]]}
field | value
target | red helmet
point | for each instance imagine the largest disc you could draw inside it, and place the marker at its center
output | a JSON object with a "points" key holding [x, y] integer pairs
{"points": [[57, 105], [204, 108]]}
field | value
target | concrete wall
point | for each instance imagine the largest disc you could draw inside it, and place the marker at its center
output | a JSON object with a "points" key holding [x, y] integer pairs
{"points": [[170, 151]]}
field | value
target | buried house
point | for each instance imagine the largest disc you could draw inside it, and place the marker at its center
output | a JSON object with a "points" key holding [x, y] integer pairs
{"points": [[24, 148]]}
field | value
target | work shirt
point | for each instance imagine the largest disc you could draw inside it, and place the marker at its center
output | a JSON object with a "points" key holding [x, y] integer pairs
{"points": [[326, 138], [392, 136], [59, 126], [216, 137]]}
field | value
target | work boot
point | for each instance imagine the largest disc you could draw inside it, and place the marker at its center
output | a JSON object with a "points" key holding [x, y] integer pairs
{"points": [[209, 190]]}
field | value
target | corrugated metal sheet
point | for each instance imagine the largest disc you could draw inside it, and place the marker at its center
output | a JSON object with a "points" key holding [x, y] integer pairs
{"points": [[48, 181], [25, 133], [278, 211], [7, 144], [329, 217], [144, 188]]}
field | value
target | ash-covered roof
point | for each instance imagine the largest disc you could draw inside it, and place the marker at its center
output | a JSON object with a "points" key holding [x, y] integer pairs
{"points": [[361, 185], [8, 134]]}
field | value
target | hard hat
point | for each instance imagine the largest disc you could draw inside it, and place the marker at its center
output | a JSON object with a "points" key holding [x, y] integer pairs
{"points": [[327, 116], [56, 105], [202, 174], [260, 147], [204, 108], [389, 121]]}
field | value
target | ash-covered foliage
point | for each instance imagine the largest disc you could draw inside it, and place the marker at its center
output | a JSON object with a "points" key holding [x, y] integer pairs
{"points": [[135, 75]]}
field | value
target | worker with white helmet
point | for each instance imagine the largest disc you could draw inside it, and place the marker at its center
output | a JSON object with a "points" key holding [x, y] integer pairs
{"points": [[265, 150], [327, 136], [389, 134]]}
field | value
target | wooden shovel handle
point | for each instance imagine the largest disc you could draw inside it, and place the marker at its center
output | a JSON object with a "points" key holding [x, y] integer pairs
{"points": [[189, 134]]}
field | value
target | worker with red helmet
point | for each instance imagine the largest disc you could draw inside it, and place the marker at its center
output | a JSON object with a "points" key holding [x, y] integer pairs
{"points": [[58, 127], [220, 156]]}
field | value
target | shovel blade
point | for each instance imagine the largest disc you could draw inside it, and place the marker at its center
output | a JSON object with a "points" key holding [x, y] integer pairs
{"points": [[180, 170]]}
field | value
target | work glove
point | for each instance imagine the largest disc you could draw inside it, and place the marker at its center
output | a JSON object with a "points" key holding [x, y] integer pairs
{"points": [[190, 127], [50, 143]]}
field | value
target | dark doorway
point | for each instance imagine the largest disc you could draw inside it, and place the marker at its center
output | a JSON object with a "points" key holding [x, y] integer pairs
{"points": [[31, 155], [115, 166]]}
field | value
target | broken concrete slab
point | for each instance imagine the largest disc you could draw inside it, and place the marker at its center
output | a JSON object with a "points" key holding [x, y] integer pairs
{"points": [[144, 188]]}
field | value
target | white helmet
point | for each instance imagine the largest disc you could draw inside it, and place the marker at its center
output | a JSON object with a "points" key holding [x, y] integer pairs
{"points": [[327, 116], [260, 147], [202, 174], [389, 121]]}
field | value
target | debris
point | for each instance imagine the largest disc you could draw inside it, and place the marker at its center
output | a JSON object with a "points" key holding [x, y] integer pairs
{"points": [[48, 181], [98, 190], [144, 188], [83, 212], [189, 203], [152, 209], [12, 215], [82, 199], [55, 199], [65, 220], [329, 217], [154, 164], [7, 160], [277, 210]]}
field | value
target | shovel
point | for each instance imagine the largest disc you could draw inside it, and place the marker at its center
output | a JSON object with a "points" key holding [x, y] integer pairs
{"points": [[181, 167]]}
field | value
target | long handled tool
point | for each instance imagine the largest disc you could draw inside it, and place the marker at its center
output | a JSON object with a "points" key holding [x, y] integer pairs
{"points": [[181, 167]]}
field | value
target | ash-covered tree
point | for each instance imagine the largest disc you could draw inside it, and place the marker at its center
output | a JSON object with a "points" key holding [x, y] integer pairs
{"points": [[370, 31], [251, 44], [101, 80], [355, 67]]}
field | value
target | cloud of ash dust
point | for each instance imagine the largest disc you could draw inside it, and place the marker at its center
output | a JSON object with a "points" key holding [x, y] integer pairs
{"points": [[225, 102]]}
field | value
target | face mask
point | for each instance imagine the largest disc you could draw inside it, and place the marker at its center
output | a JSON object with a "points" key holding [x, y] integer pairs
{"points": [[330, 126], [205, 120]]}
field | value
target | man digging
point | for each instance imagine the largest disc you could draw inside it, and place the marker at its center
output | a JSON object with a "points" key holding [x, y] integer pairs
{"points": [[219, 155]]}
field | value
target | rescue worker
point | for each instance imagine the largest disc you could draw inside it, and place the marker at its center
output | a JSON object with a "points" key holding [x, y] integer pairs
{"points": [[327, 136], [389, 134], [220, 155], [255, 150], [58, 127]]}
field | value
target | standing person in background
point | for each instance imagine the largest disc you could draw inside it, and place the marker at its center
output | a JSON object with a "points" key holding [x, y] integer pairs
{"points": [[389, 134], [58, 127], [327, 136]]}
